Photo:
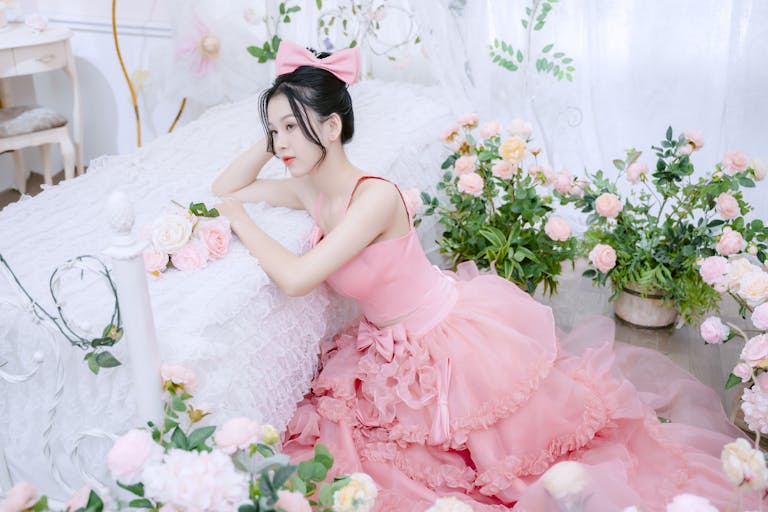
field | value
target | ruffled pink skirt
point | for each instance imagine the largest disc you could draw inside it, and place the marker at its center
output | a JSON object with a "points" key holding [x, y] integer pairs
{"points": [[484, 402]]}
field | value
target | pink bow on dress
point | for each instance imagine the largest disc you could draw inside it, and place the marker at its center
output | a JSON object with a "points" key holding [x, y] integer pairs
{"points": [[345, 64], [383, 340]]}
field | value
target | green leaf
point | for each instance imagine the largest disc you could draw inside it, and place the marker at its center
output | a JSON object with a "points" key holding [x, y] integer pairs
{"points": [[282, 8], [591, 273], [249, 507], [282, 475], [177, 403], [287, 19], [90, 357], [319, 4], [41, 505], [669, 133], [558, 55], [137, 489], [547, 48], [323, 456], [519, 56], [179, 440], [619, 164], [353, 43], [326, 494], [198, 437], [94, 502], [525, 23], [295, 8], [664, 420], [732, 381], [141, 503], [106, 360]]}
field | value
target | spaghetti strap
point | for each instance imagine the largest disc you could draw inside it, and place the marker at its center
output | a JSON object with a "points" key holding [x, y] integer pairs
{"points": [[402, 198]]}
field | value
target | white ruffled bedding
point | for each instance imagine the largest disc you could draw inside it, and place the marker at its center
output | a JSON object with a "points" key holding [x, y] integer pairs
{"points": [[252, 348]]}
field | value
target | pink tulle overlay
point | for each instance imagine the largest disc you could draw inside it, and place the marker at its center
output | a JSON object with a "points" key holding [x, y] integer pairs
{"points": [[486, 400]]}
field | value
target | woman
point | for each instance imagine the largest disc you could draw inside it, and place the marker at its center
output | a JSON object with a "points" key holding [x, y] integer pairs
{"points": [[451, 385]]}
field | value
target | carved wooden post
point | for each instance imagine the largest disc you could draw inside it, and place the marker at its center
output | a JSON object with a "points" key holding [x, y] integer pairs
{"points": [[133, 296]]}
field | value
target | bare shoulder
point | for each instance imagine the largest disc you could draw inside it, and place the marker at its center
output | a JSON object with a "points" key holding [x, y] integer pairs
{"points": [[382, 194]]}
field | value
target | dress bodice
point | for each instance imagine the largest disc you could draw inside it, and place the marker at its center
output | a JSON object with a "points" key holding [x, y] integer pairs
{"points": [[392, 279]]}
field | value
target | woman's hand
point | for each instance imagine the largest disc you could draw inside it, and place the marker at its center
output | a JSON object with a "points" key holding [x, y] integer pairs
{"points": [[232, 209]]}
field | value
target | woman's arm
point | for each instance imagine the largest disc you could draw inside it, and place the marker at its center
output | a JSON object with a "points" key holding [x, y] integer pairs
{"points": [[370, 215]]}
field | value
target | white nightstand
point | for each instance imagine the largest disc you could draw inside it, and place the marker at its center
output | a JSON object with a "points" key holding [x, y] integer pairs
{"points": [[24, 52]]}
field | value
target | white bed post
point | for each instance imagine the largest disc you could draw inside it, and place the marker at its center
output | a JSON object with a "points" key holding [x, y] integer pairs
{"points": [[133, 296]]}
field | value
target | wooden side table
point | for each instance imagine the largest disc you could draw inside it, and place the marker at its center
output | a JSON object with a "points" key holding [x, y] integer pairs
{"points": [[24, 52]]}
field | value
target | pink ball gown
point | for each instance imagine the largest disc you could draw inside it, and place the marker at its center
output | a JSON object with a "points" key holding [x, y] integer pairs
{"points": [[474, 394]]}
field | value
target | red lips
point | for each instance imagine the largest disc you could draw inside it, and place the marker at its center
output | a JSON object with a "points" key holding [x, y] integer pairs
{"points": [[288, 159]]}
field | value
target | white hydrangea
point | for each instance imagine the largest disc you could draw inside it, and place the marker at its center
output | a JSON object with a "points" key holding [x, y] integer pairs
{"points": [[197, 482], [449, 505], [358, 495], [755, 406], [564, 479]]}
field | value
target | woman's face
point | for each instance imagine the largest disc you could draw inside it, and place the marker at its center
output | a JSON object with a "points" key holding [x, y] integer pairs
{"points": [[299, 154]]}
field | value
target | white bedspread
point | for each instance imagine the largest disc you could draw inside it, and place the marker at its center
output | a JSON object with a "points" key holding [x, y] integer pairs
{"points": [[252, 348]]}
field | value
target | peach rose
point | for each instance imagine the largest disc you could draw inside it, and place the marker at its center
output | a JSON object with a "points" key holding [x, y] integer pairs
{"points": [[713, 269], [130, 454], [490, 129], [696, 138], [755, 351], [520, 128], [471, 183], [603, 257], [759, 169], [730, 242], [292, 501], [608, 205], [449, 134], [179, 375], [713, 330], [78, 500], [155, 261], [413, 202], [503, 169], [636, 172], [464, 164], [744, 465], [237, 433], [216, 234], [192, 256], [468, 120], [557, 229], [727, 206], [22, 496], [547, 175], [742, 371], [753, 287], [512, 149], [760, 316], [563, 181], [735, 161]]}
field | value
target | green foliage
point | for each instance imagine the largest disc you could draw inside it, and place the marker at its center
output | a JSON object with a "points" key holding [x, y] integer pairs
{"points": [[666, 225], [503, 227], [268, 49]]}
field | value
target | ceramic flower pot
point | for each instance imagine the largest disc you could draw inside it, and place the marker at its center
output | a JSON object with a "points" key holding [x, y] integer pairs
{"points": [[644, 311]]}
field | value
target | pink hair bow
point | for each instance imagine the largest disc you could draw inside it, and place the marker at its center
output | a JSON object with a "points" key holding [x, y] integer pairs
{"points": [[345, 64]]}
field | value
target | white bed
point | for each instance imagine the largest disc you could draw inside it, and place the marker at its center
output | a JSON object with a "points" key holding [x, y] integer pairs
{"points": [[252, 348]]}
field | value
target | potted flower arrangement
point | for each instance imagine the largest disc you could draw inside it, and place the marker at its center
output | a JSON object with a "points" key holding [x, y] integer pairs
{"points": [[649, 243], [491, 210]]}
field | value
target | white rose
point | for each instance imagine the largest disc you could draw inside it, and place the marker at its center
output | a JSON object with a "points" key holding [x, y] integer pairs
{"points": [[744, 465], [759, 168], [753, 287], [358, 495], [449, 505], [171, 232], [737, 269]]}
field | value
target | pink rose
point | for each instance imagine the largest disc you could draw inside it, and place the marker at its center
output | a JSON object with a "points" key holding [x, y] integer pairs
{"points": [[713, 269], [578, 188], [168, 508], [155, 261], [685, 149], [292, 501], [755, 351], [557, 229], [762, 381], [503, 169], [713, 330], [730, 242], [735, 161], [237, 433], [464, 164], [130, 454], [727, 206], [636, 172], [449, 134], [760, 316], [78, 500], [547, 174], [520, 128], [471, 183], [412, 198], [178, 375], [695, 138], [608, 205], [22, 496], [216, 235], [563, 182], [490, 129], [603, 257], [468, 120], [742, 371], [192, 256]]}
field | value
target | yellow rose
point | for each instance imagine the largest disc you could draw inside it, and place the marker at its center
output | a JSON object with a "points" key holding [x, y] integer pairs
{"points": [[512, 149]]}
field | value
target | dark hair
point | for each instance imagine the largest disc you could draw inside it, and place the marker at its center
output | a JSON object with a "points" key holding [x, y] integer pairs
{"points": [[316, 89]]}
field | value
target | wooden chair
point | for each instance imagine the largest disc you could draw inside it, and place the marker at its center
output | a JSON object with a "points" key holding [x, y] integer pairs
{"points": [[28, 126]]}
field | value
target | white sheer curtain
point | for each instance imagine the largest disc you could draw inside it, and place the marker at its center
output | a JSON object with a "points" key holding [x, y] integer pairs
{"points": [[640, 66]]}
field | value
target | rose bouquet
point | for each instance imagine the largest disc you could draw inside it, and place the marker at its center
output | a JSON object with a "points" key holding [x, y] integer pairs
{"points": [[651, 240], [492, 211], [186, 239]]}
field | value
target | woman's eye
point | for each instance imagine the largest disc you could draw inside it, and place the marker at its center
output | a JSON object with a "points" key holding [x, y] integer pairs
{"points": [[290, 126]]}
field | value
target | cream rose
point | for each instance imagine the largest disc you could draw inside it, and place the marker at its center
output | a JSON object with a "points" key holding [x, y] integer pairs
{"points": [[557, 229], [735, 161], [513, 149], [753, 287], [464, 164], [744, 465], [608, 205], [737, 269], [759, 169], [503, 169], [727, 206], [358, 495], [471, 183], [171, 232], [730, 242], [603, 257], [755, 351], [449, 504]]}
